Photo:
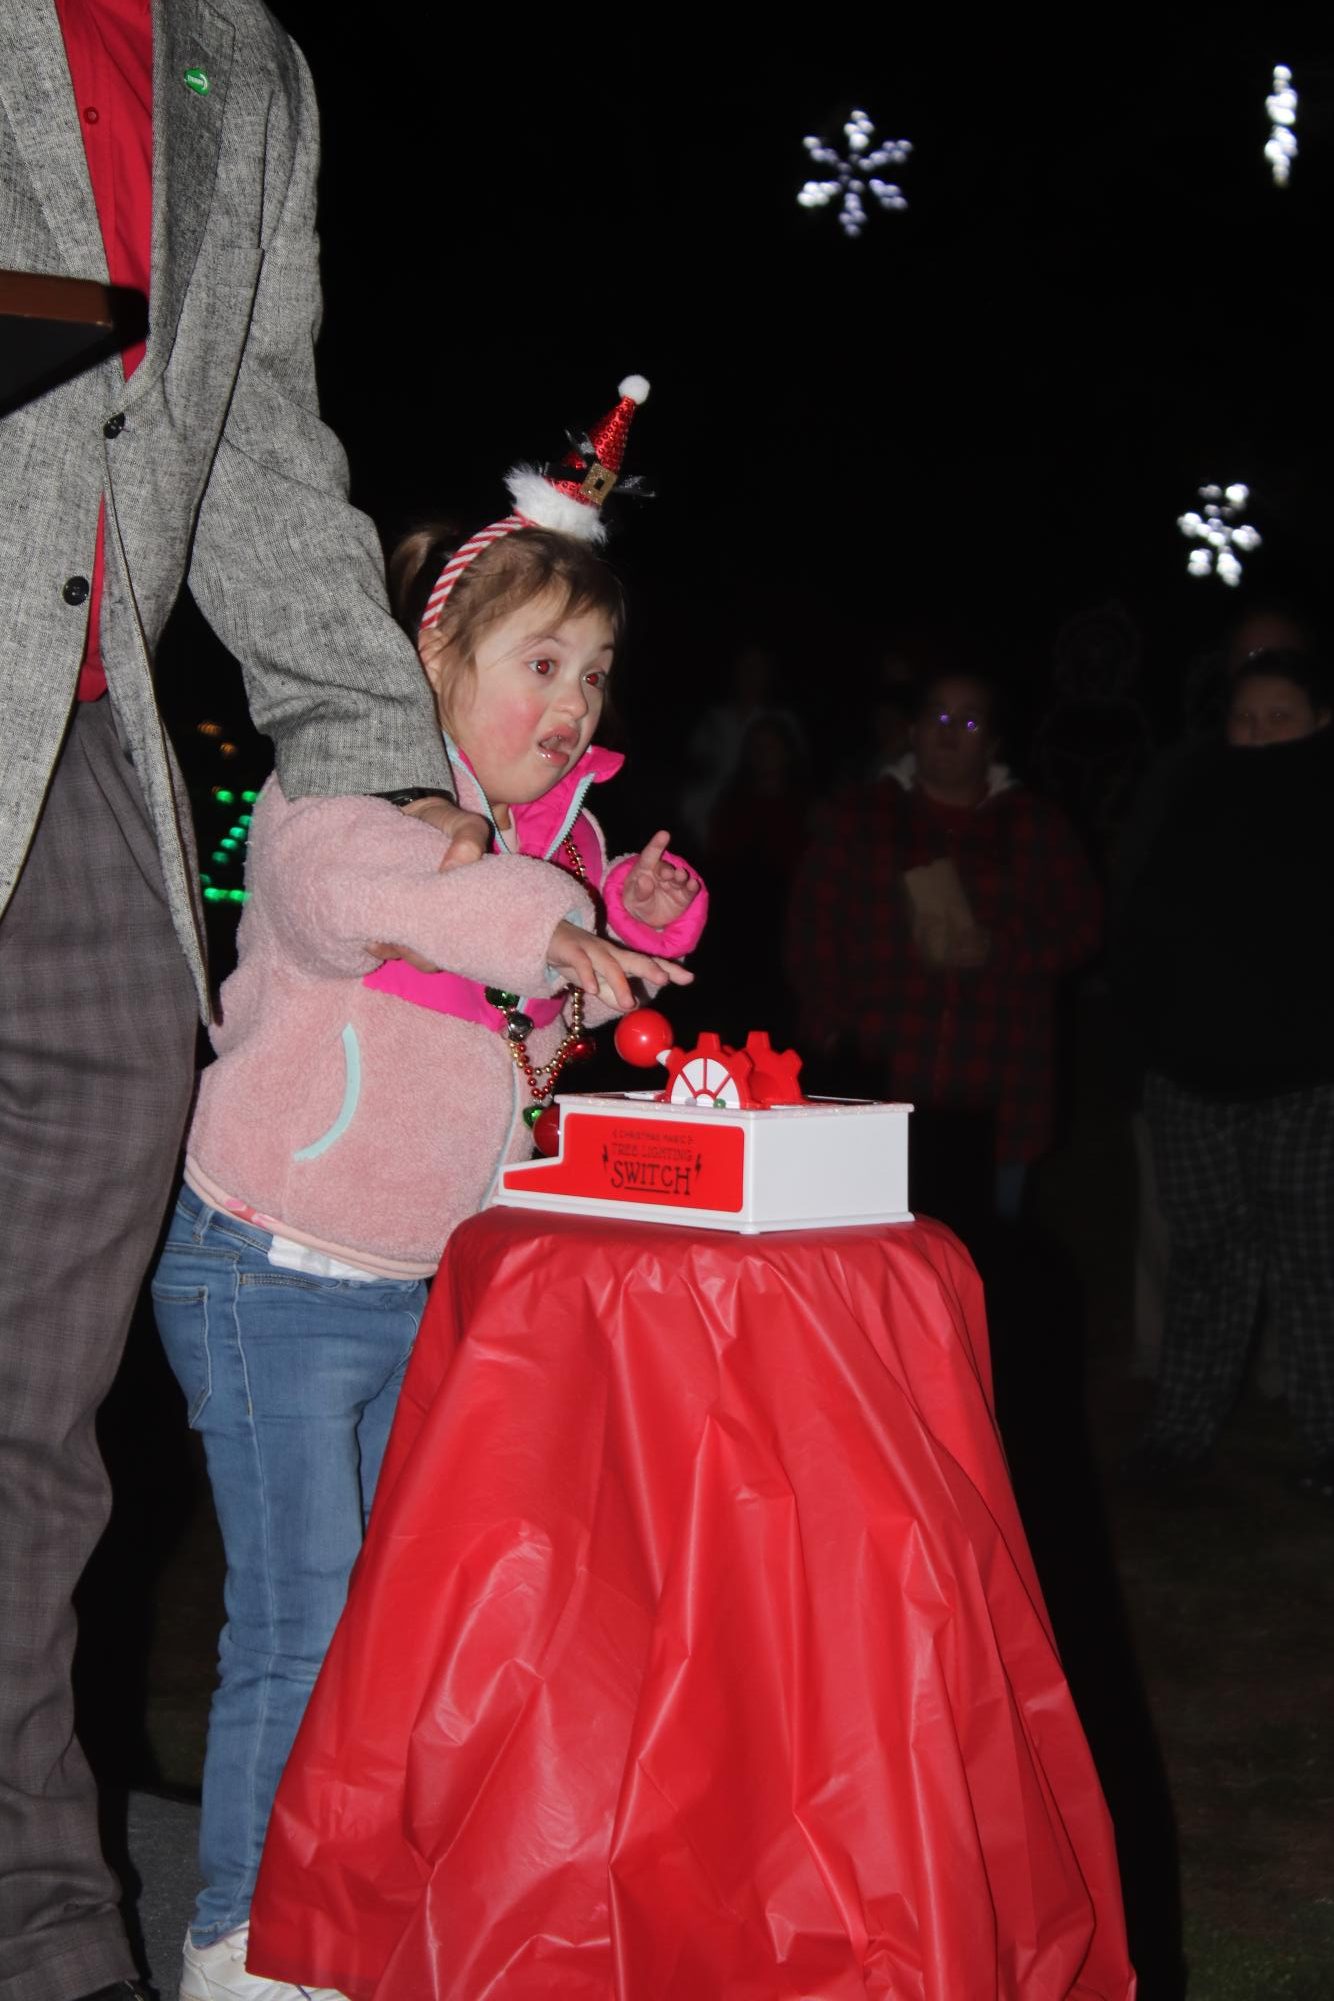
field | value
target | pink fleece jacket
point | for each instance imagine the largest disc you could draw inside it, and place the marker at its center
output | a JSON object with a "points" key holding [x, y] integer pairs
{"points": [[369, 1121]]}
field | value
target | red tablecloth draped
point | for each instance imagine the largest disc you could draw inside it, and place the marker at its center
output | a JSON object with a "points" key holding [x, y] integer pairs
{"points": [[695, 1653]]}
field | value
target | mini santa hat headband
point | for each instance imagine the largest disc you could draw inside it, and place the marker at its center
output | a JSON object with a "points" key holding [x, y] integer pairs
{"points": [[567, 497]]}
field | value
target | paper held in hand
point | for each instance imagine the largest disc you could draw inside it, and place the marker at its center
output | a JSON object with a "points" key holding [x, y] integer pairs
{"points": [[944, 928]]}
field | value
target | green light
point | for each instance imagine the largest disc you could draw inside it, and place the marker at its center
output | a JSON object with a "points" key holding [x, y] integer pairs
{"points": [[245, 818], [205, 879], [223, 796], [237, 833], [237, 895], [250, 797], [214, 895], [227, 842], [220, 855]]}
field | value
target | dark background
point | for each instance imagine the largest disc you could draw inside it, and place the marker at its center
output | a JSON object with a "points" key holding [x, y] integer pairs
{"points": [[986, 412], [983, 417]]}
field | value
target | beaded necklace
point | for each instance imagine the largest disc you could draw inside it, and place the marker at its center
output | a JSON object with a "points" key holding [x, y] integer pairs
{"points": [[574, 1046]]}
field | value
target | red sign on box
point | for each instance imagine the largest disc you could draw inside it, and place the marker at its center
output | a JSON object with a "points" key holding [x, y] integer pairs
{"points": [[614, 1159]]}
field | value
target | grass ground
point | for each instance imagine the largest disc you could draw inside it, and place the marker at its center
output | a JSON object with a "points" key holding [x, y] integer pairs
{"points": [[1228, 1594]]}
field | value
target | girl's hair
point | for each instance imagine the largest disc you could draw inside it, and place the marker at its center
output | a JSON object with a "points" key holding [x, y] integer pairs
{"points": [[1306, 671], [510, 573]]}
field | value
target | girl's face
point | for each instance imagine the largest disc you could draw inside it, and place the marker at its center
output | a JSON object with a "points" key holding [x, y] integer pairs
{"points": [[528, 710], [1269, 708]]}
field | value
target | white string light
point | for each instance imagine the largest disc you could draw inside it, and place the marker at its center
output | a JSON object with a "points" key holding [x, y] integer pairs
{"points": [[1219, 533], [856, 174], [1281, 110]]}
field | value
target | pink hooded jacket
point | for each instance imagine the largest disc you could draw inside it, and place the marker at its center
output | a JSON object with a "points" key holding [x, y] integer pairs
{"points": [[345, 1109]]}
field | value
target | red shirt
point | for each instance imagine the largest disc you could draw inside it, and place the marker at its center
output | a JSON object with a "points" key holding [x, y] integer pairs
{"points": [[109, 48], [982, 1038]]}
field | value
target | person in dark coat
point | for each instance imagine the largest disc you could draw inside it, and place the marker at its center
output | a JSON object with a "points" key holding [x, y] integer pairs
{"points": [[1224, 958]]}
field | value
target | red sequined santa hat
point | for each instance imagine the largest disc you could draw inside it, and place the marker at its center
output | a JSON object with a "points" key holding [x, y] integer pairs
{"points": [[566, 497]]}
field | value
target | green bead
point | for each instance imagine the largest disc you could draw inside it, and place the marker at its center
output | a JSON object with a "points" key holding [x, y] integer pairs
{"points": [[531, 1115], [497, 997], [196, 79]]}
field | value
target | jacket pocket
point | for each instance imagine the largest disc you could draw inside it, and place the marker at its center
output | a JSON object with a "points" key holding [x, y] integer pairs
{"points": [[347, 1111], [181, 1312]]}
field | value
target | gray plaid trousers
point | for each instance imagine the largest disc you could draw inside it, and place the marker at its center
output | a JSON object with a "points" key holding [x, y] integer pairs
{"points": [[1247, 1188], [97, 1030]]}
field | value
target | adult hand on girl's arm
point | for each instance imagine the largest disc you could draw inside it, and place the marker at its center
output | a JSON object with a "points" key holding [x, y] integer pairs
{"points": [[468, 834], [605, 970]]}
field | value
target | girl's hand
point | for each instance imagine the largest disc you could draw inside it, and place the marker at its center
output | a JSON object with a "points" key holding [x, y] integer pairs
{"points": [[657, 891], [604, 969], [404, 952]]}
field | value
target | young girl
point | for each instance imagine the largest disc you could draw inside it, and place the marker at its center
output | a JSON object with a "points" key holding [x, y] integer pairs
{"points": [[386, 1029]]}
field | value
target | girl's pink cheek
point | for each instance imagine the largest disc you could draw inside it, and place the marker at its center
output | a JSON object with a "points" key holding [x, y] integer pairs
{"points": [[510, 726]]}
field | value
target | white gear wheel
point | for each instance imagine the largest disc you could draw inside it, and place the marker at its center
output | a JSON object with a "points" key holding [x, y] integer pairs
{"points": [[703, 1080]]}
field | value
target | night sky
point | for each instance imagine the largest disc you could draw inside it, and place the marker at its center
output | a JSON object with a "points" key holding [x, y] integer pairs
{"points": [[988, 411]]}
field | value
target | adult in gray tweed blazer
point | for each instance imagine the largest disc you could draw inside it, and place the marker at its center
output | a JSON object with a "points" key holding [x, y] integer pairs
{"points": [[216, 471]]}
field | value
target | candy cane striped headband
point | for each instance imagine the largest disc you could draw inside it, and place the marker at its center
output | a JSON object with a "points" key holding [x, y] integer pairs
{"points": [[466, 553], [566, 497]]}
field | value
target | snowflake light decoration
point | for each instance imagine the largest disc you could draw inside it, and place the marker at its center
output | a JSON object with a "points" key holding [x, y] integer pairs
{"points": [[1281, 110], [1219, 533], [856, 174]]}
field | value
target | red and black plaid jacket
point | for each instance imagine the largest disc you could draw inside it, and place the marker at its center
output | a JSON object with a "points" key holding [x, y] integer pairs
{"points": [[981, 1037]]}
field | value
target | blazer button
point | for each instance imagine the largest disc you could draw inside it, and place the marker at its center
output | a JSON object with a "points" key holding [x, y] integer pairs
{"points": [[76, 590], [114, 425]]}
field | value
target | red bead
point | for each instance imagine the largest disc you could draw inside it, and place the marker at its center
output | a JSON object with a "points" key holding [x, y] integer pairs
{"points": [[546, 1132], [642, 1036], [580, 1051]]}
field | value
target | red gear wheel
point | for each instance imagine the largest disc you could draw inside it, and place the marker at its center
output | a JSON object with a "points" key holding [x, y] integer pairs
{"points": [[773, 1072]]}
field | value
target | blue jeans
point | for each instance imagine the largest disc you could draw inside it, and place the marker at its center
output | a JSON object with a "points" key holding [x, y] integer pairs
{"points": [[292, 1381]]}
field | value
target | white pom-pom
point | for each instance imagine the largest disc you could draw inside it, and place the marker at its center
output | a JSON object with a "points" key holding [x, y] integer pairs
{"points": [[635, 387], [547, 507]]}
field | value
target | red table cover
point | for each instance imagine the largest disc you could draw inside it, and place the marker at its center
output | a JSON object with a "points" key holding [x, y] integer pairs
{"points": [[695, 1652]]}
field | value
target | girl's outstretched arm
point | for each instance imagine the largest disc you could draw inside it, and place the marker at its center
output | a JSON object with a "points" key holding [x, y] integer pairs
{"points": [[332, 879]]}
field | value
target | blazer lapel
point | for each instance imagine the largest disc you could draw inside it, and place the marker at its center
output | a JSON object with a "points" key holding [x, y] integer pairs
{"points": [[189, 37], [36, 92]]}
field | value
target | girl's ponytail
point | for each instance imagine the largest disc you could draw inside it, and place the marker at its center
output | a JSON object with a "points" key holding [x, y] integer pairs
{"points": [[416, 562]]}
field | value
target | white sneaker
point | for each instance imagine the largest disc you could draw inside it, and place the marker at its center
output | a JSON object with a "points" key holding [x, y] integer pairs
{"points": [[217, 1973]]}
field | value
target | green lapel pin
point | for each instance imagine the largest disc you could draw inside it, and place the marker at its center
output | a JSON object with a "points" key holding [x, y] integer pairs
{"points": [[197, 80]]}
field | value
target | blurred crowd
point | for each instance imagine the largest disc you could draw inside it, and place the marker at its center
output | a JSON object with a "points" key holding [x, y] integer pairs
{"points": [[919, 907]]}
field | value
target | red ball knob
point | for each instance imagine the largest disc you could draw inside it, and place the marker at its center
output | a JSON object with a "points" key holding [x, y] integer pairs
{"points": [[546, 1133], [642, 1037]]}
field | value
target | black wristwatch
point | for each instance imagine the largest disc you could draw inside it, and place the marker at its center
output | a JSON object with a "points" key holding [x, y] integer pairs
{"points": [[409, 793]]}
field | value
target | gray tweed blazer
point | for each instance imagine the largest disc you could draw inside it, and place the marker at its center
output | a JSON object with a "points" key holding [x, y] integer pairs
{"points": [[221, 473]]}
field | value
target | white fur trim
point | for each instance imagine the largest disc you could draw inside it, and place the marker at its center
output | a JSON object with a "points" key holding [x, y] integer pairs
{"points": [[541, 503], [1000, 778], [635, 387]]}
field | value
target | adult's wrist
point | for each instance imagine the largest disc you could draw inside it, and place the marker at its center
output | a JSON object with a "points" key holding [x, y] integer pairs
{"points": [[408, 795]]}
